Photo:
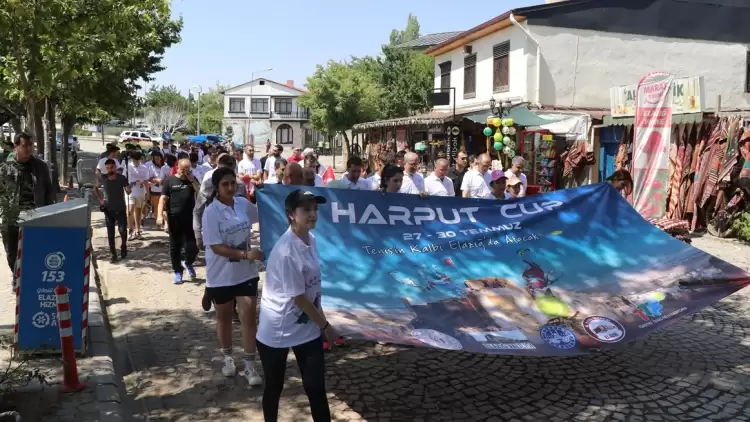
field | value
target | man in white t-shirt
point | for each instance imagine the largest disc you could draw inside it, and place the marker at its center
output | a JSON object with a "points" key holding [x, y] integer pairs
{"points": [[279, 166], [138, 176], [438, 183], [270, 167], [413, 181], [352, 178], [474, 184], [516, 169], [250, 166]]}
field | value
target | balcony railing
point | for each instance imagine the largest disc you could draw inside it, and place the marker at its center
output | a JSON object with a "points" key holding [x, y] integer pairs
{"points": [[293, 115]]}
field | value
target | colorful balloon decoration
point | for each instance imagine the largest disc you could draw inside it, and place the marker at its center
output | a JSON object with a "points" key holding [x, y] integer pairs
{"points": [[498, 136], [496, 122], [498, 146], [509, 152], [505, 130], [511, 130], [487, 131], [506, 139], [419, 146]]}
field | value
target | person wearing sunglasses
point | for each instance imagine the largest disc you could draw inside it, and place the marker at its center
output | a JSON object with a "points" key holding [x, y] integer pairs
{"points": [[457, 172]]}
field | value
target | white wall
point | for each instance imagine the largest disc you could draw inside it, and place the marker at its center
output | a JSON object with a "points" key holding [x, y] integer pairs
{"points": [[518, 68], [579, 66], [267, 91]]}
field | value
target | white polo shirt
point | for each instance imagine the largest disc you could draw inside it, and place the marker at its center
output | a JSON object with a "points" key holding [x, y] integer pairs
{"points": [[412, 184], [233, 227], [292, 270], [137, 177], [436, 187], [474, 183], [360, 184]]}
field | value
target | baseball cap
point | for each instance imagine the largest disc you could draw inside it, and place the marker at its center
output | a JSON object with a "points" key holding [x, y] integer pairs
{"points": [[498, 175], [513, 180], [308, 151], [299, 197]]}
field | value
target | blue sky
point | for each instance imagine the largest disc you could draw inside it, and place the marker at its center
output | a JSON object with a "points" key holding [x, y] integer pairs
{"points": [[226, 40]]}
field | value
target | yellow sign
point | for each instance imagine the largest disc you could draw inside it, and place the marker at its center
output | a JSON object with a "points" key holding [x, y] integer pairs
{"points": [[687, 97]]}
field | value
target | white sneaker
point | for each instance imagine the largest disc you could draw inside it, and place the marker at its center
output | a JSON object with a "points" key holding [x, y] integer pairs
{"points": [[228, 369], [252, 377]]}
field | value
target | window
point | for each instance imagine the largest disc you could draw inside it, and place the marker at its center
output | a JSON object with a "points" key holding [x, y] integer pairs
{"points": [[259, 105], [500, 71], [236, 105], [445, 75], [470, 76], [284, 134], [282, 105]]}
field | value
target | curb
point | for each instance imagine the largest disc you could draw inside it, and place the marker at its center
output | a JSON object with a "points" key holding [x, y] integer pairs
{"points": [[108, 399]]}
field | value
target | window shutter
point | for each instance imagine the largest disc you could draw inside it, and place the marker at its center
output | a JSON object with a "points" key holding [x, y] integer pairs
{"points": [[470, 60], [500, 50]]}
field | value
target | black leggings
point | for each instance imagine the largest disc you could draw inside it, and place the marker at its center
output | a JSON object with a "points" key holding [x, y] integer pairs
{"points": [[10, 242], [119, 219], [312, 367], [181, 234]]}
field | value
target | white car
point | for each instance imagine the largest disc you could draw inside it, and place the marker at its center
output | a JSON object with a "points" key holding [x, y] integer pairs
{"points": [[136, 135]]}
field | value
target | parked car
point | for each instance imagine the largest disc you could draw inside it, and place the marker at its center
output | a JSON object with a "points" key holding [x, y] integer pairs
{"points": [[212, 138], [72, 142], [136, 135]]}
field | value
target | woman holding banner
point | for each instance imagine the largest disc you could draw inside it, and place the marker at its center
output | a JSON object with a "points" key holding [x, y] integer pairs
{"points": [[290, 311]]}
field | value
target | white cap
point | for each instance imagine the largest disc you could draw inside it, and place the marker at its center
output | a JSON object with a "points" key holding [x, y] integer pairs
{"points": [[308, 151]]}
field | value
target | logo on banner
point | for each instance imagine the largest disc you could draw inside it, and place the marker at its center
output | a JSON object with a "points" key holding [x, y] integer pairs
{"points": [[436, 339], [604, 329], [43, 319], [559, 337]]}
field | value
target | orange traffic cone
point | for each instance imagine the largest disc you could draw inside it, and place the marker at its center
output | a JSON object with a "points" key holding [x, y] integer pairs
{"points": [[65, 199]]}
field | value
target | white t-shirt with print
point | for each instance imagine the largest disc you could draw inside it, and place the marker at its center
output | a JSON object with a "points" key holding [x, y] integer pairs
{"points": [[293, 269], [249, 167], [360, 184], [436, 187], [230, 226], [474, 183], [412, 184], [137, 177]]}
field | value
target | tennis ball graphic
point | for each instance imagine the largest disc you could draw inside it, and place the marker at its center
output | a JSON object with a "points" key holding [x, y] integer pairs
{"points": [[657, 296], [552, 306]]}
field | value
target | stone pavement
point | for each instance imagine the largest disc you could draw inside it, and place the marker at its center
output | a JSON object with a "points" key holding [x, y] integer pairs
{"points": [[698, 369]]}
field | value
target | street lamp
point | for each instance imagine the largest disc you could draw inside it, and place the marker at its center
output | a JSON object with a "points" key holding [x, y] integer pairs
{"points": [[500, 109], [250, 115], [198, 118]]}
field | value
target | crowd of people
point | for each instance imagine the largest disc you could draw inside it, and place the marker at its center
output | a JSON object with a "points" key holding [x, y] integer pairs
{"points": [[203, 196]]}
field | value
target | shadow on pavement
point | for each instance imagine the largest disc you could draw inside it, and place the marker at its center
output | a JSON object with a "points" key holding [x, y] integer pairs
{"points": [[696, 368]]}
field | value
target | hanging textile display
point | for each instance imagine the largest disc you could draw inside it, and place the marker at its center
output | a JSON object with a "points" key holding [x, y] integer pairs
{"points": [[653, 122]]}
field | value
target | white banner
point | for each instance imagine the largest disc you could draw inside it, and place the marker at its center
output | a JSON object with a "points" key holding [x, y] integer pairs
{"points": [[653, 130]]}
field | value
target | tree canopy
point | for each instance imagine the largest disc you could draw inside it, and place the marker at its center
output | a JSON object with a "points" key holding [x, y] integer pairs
{"points": [[393, 84]]}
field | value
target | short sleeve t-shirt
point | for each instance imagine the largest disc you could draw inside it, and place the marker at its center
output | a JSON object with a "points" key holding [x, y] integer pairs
{"points": [[155, 173], [233, 227], [181, 196], [103, 168], [412, 184], [137, 177], [475, 184], [270, 165], [114, 192], [292, 270], [249, 167]]}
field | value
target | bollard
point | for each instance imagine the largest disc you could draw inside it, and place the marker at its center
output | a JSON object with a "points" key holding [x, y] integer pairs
{"points": [[70, 369]]}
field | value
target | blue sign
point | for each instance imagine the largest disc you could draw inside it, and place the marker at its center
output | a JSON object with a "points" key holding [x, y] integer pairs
{"points": [[561, 273], [50, 256]]}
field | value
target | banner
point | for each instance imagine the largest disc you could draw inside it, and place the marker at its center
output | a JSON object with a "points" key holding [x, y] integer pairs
{"points": [[653, 131], [560, 273]]}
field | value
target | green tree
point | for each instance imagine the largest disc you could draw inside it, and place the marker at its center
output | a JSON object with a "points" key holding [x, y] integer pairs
{"points": [[410, 33], [341, 95], [211, 111], [166, 96]]}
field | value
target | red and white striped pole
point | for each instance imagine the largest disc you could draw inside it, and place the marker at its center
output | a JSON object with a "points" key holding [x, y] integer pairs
{"points": [[70, 368]]}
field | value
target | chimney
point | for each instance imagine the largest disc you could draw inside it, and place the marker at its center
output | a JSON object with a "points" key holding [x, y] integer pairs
{"points": [[290, 83]]}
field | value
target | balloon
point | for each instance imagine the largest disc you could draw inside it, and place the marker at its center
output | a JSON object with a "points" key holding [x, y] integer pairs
{"points": [[508, 122], [498, 136], [498, 146], [552, 306], [496, 122], [511, 131], [419, 146], [505, 130], [487, 131], [511, 144], [506, 139], [507, 151]]}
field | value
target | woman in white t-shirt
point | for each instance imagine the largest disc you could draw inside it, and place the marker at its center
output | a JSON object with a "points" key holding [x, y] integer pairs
{"points": [[290, 311], [155, 179], [231, 271]]}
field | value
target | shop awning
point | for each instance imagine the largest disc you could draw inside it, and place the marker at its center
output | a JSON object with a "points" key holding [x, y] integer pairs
{"points": [[521, 116], [677, 119], [433, 118]]}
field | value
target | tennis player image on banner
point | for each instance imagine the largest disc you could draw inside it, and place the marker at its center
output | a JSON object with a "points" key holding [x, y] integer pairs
{"points": [[561, 273]]}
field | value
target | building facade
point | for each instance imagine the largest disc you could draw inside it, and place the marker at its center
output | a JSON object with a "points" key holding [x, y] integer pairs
{"points": [[263, 110], [568, 54]]}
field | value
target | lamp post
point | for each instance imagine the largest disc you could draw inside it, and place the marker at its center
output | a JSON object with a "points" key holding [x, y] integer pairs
{"points": [[198, 117], [501, 108], [250, 115]]}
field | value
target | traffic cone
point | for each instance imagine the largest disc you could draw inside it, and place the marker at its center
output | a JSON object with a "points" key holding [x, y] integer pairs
{"points": [[328, 175], [65, 199]]}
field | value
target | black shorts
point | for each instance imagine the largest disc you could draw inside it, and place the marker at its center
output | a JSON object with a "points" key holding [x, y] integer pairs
{"points": [[226, 294]]}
